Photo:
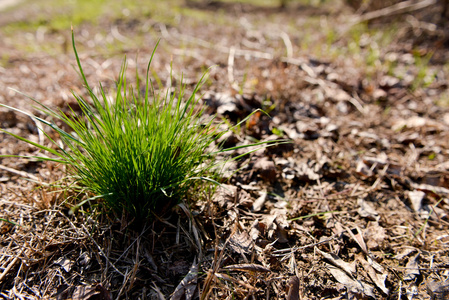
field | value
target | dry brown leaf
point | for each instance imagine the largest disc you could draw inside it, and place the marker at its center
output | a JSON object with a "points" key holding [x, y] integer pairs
{"points": [[363, 169], [338, 262], [416, 198], [265, 169], [375, 235], [241, 242], [438, 290], [258, 204], [291, 131], [226, 103], [354, 286], [378, 279], [293, 288], [367, 211], [338, 95], [412, 268], [225, 193], [255, 230], [358, 238], [418, 122], [65, 263], [406, 252], [307, 130], [379, 94], [281, 224], [86, 292], [187, 287]]}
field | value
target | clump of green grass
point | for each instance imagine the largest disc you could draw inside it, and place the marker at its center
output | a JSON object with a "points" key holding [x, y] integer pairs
{"points": [[141, 153]]}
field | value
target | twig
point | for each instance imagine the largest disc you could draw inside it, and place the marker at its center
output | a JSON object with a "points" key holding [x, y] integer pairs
{"points": [[282, 252], [223, 49], [399, 8], [101, 251], [357, 105], [129, 247], [288, 44], [20, 173], [117, 35], [231, 78], [11, 264]]}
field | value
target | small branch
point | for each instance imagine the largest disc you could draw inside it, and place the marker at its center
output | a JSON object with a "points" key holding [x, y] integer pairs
{"points": [[102, 253], [20, 173], [396, 9], [288, 44], [10, 265], [231, 78]]}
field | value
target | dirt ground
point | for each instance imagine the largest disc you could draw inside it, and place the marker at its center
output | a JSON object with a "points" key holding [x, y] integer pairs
{"points": [[355, 207]]}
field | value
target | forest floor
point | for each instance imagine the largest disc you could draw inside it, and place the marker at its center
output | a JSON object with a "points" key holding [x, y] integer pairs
{"points": [[355, 207]]}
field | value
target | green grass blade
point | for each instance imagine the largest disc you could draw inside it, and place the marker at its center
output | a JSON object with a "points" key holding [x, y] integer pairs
{"points": [[52, 151]]}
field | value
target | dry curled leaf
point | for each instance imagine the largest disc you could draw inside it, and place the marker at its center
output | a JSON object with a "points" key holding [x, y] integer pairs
{"points": [[412, 268], [354, 286], [377, 278], [367, 211], [258, 204], [338, 262], [187, 287], [90, 292], [241, 242], [293, 288], [65, 263], [438, 290], [266, 169]]}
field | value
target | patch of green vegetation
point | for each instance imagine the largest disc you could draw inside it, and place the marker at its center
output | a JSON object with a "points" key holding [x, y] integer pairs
{"points": [[443, 99], [60, 15], [424, 76], [141, 153], [49, 17]]}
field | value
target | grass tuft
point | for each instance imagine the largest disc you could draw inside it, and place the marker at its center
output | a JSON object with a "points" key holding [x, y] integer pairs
{"points": [[140, 153]]}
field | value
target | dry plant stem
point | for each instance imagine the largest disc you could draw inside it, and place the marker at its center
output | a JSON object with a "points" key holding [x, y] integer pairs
{"points": [[40, 131], [288, 44], [222, 49], [20, 173], [231, 78], [194, 229], [132, 277], [101, 251], [133, 242], [399, 8], [217, 261], [282, 252], [11, 264]]}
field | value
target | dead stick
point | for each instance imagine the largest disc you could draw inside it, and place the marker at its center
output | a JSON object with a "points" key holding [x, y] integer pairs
{"points": [[399, 8], [17, 172], [11, 264], [231, 78]]}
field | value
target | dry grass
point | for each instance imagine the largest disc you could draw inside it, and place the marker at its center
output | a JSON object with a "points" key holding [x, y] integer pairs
{"points": [[357, 205]]}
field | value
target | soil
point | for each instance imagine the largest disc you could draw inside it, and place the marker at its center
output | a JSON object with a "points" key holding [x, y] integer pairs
{"points": [[354, 207]]}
